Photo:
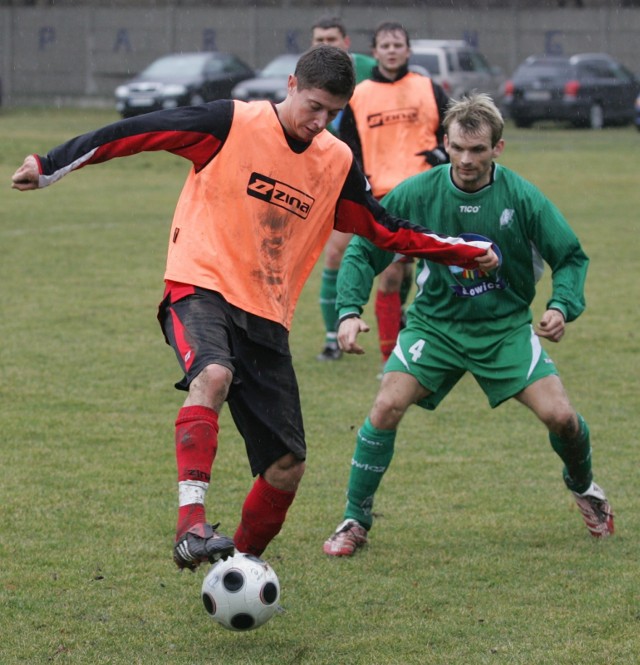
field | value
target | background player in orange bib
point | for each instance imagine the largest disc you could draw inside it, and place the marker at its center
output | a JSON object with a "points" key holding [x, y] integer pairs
{"points": [[393, 124]]}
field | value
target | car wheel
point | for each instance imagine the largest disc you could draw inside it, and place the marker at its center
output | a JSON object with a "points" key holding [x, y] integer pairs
{"points": [[596, 116], [196, 99], [522, 123]]}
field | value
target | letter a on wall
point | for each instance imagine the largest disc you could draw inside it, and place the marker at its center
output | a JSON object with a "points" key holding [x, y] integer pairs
{"points": [[122, 41]]}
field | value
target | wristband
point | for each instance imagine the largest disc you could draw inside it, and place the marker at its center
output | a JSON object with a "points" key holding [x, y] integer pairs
{"points": [[348, 315]]}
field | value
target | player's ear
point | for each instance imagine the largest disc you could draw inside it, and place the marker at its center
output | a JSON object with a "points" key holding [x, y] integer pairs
{"points": [[497, 148]]}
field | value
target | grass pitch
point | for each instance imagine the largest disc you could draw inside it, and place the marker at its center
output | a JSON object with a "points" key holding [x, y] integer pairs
{"points": [[478, 555]]}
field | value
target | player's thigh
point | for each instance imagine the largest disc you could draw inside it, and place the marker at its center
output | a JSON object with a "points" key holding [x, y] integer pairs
{"points": [[199, 329], [431, 359]]}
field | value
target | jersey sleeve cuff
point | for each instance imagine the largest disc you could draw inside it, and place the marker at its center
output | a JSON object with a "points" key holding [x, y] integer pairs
{"points": [[557, 306], [348, 313]]}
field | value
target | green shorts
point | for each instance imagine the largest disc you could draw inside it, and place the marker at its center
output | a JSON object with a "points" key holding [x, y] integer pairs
{"points": [[503, 364]]}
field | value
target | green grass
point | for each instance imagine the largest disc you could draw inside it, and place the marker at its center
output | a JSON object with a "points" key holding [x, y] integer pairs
{"points": [[478, 556]]}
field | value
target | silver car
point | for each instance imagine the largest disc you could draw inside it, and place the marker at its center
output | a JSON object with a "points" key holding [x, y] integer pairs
{"points": [[458, 67]]}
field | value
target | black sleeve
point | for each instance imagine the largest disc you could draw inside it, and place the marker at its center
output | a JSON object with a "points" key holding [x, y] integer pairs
{"points": [[349, 133], [194, 132], [443, 101]]}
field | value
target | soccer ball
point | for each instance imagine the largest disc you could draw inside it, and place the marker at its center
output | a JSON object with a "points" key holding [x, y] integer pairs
{"points": [[241, 593]]}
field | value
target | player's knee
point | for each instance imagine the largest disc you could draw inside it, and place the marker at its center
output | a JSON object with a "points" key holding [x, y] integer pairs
{"points": [[386, 412], [390, 279], [217, 377], [333, 257], [211, 386], [285, 473], [564, 423]]}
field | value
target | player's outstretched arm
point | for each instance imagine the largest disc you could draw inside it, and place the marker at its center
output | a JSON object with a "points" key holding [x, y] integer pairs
{"points": [[348, 332], [26, 177]]}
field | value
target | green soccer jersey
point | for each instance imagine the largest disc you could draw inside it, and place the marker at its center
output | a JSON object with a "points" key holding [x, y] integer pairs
{"points": [[363, 65], [524, 225]]}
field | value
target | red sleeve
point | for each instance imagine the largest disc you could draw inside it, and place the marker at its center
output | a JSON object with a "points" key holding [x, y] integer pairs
{"points": [[359, 212], [196, 133]]}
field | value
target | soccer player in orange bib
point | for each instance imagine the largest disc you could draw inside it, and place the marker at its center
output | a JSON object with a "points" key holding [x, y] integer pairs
{"points": [[267, 186]]}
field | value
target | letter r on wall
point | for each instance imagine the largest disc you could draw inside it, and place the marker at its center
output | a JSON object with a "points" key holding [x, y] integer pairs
{"points": [[46, 37]]}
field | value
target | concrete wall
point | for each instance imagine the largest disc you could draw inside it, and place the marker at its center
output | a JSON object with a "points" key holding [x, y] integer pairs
{"points": [[78, 55]]}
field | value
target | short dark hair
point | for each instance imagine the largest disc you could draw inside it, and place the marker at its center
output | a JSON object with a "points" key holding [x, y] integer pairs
{"points": [[327, 22], [390, 26], [328, 68]]}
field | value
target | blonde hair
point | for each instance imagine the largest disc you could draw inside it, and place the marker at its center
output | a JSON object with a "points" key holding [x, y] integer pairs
{"points": [[472, 112]]}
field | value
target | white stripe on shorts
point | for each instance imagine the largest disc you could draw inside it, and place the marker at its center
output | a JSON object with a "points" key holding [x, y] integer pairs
{"points": [[536, 351]]}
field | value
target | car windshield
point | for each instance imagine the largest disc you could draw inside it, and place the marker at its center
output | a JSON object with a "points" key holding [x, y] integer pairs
{"points": [[622, 73], [280, 67], [175, 66], [543, 70], [427, 60], [471, 61]]}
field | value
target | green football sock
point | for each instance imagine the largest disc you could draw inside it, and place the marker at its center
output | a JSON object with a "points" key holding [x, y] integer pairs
{"points": [[328, 293], [576, 455], [374, 450]]}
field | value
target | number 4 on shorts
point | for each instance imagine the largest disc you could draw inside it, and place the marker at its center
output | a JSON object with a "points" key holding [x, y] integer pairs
{"points": [[416, 350]]}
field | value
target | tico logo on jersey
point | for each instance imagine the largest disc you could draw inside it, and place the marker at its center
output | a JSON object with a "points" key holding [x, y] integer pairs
{"points": [[394, 117], [280, 194]]}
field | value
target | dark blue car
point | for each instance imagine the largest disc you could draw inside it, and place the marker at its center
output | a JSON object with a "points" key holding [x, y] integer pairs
{"points": [[586, 90], [181, 79]]}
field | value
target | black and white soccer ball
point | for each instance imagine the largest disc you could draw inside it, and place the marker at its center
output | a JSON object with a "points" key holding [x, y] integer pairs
{"points": [[241, 593]]}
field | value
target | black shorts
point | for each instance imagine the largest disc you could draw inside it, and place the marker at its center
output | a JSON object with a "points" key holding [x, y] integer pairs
{"points": [[264, 400]]}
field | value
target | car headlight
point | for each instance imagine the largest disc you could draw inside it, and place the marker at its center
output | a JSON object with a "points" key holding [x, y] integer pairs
{"points": [[174, 90], [122, 91]]}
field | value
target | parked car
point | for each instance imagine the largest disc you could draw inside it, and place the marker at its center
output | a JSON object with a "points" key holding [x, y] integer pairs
{"points": [[586, 89], [181, 79], [458, 67], [637, 116], [271, 82]]}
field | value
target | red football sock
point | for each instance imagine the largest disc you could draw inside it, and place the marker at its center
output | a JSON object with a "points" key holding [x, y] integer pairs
{"points": [[196, 446], [388, 313], [263, 515]]}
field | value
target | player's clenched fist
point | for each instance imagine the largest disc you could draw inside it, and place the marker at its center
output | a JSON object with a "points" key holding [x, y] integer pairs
{"points": [[26, 177]]}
